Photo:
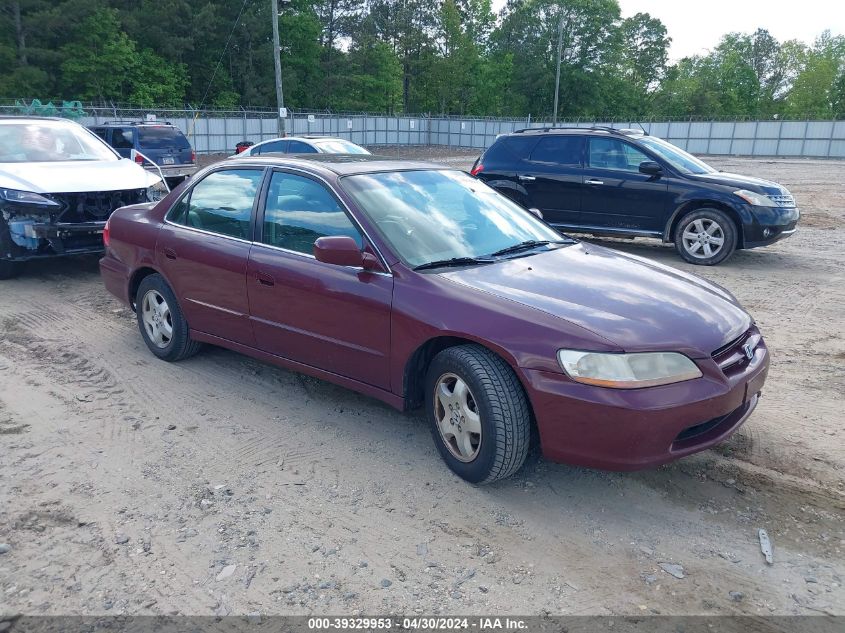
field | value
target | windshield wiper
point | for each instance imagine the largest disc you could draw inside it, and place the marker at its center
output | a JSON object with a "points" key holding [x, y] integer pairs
{"points": [[455, 261], [526, 245]]}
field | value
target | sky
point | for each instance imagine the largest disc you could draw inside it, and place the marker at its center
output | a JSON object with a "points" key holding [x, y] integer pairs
{"points": [[696, 26]]}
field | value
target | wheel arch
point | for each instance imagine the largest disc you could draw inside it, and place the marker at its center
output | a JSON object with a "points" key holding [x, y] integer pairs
{"points": [[413, 380], [694, 205], [135, 282]]}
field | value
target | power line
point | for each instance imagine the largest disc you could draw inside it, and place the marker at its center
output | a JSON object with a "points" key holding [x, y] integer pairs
{"points": [[225, 48]]}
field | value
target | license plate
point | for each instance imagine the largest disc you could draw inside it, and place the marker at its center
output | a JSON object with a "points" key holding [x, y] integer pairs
{"points": [[167, 161]]}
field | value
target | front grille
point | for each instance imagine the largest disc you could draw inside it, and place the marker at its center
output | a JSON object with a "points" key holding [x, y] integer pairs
{"points": [[95, 205], [783, 200], [731, 357]]}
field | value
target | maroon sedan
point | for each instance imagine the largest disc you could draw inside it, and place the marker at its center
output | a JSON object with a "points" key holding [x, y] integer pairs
{"points": [[421, 286]]}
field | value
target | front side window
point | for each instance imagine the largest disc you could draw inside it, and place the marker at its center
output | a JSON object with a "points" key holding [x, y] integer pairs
{"points": [[611, 153], [559, 150], [220, 203], [300, 210], [432, 215]]}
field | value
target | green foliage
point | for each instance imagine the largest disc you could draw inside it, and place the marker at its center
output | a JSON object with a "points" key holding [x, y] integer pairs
{"points": [[423, 56]]}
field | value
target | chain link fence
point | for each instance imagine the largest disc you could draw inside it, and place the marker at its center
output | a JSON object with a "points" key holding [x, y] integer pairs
{"points": [[218, 131]]}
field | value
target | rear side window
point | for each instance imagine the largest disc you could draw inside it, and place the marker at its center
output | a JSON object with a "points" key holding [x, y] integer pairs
{"points": [[161, 137], [271, 146], [507, 149], [298, 147], [121, 138], [300, 210], [220, 203], [101, 132], [560, 150]]}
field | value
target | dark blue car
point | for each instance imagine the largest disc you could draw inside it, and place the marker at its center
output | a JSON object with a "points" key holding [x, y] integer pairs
{"points": [[625, 183], [162, 143]]}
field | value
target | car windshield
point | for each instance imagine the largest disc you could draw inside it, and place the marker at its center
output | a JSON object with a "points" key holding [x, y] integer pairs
{"points": [[338, 146], [434, 215], [675, 156], [49, 142], [161, 137]]}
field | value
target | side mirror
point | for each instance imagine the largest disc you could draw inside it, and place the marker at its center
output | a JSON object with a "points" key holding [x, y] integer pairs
{"points": [[536, 211], [650, 168], [339, 250]]}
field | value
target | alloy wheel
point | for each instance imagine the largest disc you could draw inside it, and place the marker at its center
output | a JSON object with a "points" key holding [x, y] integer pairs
{"points": [[158, 322], [703, 238], [458, 418]]}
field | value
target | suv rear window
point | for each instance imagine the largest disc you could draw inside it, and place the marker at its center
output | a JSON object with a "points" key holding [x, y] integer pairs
{"points": [[507, 148], [161, 138]]}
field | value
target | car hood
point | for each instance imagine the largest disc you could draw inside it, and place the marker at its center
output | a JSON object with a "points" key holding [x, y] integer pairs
{"points": [[637, 304], [75, 176], [742, 182]]}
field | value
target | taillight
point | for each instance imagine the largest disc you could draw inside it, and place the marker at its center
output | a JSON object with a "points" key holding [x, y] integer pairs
{"points": [[193, 156], [477, 169], [139, 159], [106, 233]]}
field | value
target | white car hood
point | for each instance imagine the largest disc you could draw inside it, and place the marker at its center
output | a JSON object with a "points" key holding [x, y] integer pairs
{"points": [[75, 176]]}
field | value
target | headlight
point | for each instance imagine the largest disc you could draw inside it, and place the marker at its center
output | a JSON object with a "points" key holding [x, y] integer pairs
{"points": [[157, 192], [627, 371], [27, 198], [757, 199]]}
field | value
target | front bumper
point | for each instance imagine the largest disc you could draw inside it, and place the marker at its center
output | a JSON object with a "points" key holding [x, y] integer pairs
{"points": [[59, 239], [770, 224], [616, 429]]}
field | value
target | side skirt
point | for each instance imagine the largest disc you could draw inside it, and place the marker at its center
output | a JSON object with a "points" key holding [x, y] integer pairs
{"points": [[387, 397]]}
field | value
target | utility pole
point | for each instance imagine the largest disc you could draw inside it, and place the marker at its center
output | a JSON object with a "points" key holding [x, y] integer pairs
{"points": [[557, 74], [277, 63]]}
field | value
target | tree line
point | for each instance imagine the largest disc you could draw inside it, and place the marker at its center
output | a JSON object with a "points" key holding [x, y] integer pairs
{"points": [[416, 56]]}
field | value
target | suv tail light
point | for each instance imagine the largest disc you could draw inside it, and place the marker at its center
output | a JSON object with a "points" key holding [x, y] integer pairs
{"points": [[193, 156], [477, 169], [139, 159]]}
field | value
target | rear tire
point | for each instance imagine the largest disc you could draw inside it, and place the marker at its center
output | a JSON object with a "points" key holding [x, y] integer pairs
{"points": [[9, 270], [160, 319], [479, 413], [706, 237]]}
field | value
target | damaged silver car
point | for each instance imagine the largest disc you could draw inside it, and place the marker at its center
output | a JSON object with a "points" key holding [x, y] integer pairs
{"points": [[59, 183]]}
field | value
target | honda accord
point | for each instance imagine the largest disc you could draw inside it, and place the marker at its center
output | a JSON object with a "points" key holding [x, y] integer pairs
{"points": [[421, 286]]}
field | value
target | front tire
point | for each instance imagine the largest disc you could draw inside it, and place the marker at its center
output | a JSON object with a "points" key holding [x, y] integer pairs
{"points": [[8, 268], [160, 319], [479, 413], [706, 237]]}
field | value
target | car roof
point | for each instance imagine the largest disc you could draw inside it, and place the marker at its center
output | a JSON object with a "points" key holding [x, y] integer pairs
{"points": [[598, 130], [339, 164], [133, 124], [308, 137], [13, 118]]}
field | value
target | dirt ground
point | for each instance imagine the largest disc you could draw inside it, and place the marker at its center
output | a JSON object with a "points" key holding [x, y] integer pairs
{"points": [[222, 485]]}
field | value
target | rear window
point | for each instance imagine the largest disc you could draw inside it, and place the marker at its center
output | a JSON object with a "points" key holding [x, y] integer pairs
{"points": [[161, 138], [508, 148]]}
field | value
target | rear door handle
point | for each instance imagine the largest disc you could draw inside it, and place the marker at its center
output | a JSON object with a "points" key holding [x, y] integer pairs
{"points": [[527, 178], [593, 181], [169, 253], [264, 279]]}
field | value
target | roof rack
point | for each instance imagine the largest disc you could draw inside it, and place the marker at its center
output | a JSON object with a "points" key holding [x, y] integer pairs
{"points": [[602, 128], [130, 122]]}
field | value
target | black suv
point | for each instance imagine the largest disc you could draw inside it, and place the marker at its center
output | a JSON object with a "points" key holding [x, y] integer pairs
{"points": [[162, 143], [625, 183]]}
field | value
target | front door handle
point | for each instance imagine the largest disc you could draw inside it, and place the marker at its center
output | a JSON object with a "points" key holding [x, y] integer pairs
{"points": [[169, 253], [527, 178], [264, 279], [593, 181]]}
